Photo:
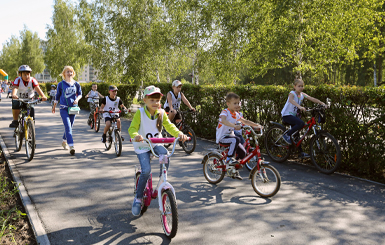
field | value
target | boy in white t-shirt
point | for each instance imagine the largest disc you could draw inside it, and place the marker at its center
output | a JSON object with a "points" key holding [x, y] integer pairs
{"points": [[91, 96], [225, 130]]}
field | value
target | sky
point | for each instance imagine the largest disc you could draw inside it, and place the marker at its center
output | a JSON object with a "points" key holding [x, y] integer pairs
{"points": [[14, 14]]}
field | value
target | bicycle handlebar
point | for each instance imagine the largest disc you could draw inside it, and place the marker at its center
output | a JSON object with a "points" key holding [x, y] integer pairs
{"points": [[151, 141], [28, 101], [251, 129]]}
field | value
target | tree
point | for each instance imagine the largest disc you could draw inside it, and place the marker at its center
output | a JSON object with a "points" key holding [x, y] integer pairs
{"points": [[65, 40]]}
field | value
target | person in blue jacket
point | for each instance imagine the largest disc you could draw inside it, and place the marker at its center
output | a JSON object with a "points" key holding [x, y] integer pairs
{"points": [[68, 94]]}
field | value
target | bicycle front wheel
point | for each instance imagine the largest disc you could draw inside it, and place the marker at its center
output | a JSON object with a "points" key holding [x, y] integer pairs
{"points": [[118, 143], [108, 143], [212, 170], [325, 153], [276, 147], [30, 139], [266, 181], [96, 122], [19, 137], [189, 145], [169, 217]]}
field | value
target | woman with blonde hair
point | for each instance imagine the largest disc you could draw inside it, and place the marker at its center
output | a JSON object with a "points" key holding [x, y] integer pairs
{"points": [[68, 94]]}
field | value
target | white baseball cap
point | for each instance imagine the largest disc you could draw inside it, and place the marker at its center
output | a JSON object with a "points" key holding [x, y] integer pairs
{"points": [[176, 83], [150, 90]]}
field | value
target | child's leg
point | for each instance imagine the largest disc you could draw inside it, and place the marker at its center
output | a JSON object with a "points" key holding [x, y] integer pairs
{"points": [[241, 152], [68, 121], [295, 122], [161, 150], [107, 127], [241, 139], [234, 143], [144, 160], [118, 124]]}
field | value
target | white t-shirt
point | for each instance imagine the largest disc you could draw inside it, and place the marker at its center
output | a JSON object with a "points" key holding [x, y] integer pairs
{"points": [[176, 101], [25, 91], [111, 106], [289, 109], [223, 130], [92, 94], [147, 129], [52, 92]]}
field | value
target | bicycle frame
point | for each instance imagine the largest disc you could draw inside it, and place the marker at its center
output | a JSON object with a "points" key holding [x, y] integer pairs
{"points": [[25, 114]]}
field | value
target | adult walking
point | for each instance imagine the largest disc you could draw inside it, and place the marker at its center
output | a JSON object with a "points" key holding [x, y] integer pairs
{"points": [[68, 93]]}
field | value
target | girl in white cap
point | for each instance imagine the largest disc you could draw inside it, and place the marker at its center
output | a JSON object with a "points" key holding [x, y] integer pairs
{"points": [[173, 101], [148, 122]]}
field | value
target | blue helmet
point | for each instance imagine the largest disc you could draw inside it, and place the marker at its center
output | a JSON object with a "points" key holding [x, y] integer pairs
{"points": [[25, 68]]}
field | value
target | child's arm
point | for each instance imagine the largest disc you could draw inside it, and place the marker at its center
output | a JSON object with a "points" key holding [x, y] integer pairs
{"points": [[38, 90], [314, 100], [134, 127], [186, 102], [250, 123], [88, 94], [172, 129], [100, 95], [229, 124], [169, 100], [122, 106], [291, 100]]}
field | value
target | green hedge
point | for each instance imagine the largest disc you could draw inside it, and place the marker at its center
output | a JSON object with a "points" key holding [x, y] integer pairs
{"points": [[355, 119]]}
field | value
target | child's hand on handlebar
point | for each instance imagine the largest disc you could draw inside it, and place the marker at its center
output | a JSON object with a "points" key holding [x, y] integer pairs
{"points": [[238, 127], [258, 127], [182, 137], [302, 108], [138, 138]]}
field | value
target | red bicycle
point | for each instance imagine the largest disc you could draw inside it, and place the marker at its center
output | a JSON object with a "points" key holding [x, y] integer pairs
{"points": [[95, 119], [265, 179], [325, 152]]}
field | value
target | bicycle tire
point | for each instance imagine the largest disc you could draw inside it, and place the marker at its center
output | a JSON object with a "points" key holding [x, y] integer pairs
{"points": [[269, 184], [108, 142], [280, 151], [169, 217], [19, 137], [97, 122], [118, 143], [213, 174], [189, 146], [30, 140], [252, 163], [324, 162]]}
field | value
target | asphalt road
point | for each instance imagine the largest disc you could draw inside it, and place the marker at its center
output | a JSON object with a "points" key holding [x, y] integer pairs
{"points": [[86, 198]]}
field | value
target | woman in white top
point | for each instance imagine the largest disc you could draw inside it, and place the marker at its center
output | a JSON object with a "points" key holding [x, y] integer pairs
{"points": [[292, 108]]}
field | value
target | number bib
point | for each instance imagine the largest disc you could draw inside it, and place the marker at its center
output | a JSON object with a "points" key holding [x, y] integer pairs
{"points": [[147, 129], [111, 106], [25, 92]]}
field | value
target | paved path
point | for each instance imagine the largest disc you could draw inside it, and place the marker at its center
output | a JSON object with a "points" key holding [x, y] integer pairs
{"points": [[86, 198]]}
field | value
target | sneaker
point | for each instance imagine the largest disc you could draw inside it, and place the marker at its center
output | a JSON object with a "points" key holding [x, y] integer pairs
{"points": [[232, 162], [72, 150], [103, 138], [136, 207], [237, 176], [287, 138], [122, 138], [303, 155], [14, 124], [65, 146]]}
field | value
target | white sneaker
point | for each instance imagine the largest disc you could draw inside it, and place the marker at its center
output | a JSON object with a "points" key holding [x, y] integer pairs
{"points": [[72, 150], [65, 145]]}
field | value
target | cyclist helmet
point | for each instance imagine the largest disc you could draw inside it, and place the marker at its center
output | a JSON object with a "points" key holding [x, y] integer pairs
{"points": [[25, 68]]}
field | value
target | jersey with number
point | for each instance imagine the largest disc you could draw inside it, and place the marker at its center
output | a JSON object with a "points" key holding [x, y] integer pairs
{"points": [[147, 129], [289, 109], [25, 90], [223, 130], [176, 101], [111, 105]]}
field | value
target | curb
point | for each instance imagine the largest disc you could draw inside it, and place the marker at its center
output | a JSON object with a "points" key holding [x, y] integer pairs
{"points": [[33, 216]]}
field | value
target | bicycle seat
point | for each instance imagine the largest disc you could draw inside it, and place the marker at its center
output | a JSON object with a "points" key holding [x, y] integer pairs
{"points": [[224, 145]]}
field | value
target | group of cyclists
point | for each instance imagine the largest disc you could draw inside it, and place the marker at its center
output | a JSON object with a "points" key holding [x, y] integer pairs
{"points": [[149, 120]]}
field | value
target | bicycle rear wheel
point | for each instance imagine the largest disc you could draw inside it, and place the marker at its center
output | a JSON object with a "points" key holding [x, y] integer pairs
{"points": [[96, 122], [276, 147], [118, 143], [325, 153], [169, 217], [108, 143], [189, 145], [30, 139], [19, 137], [266, 181]]}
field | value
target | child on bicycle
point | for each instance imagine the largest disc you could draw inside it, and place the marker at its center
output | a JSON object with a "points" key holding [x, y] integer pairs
{"points": [[92, 94], [52, 93], [148, 122], [23, 88], [173, 102], [112, 103], [291, 112], [225, 130]]}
